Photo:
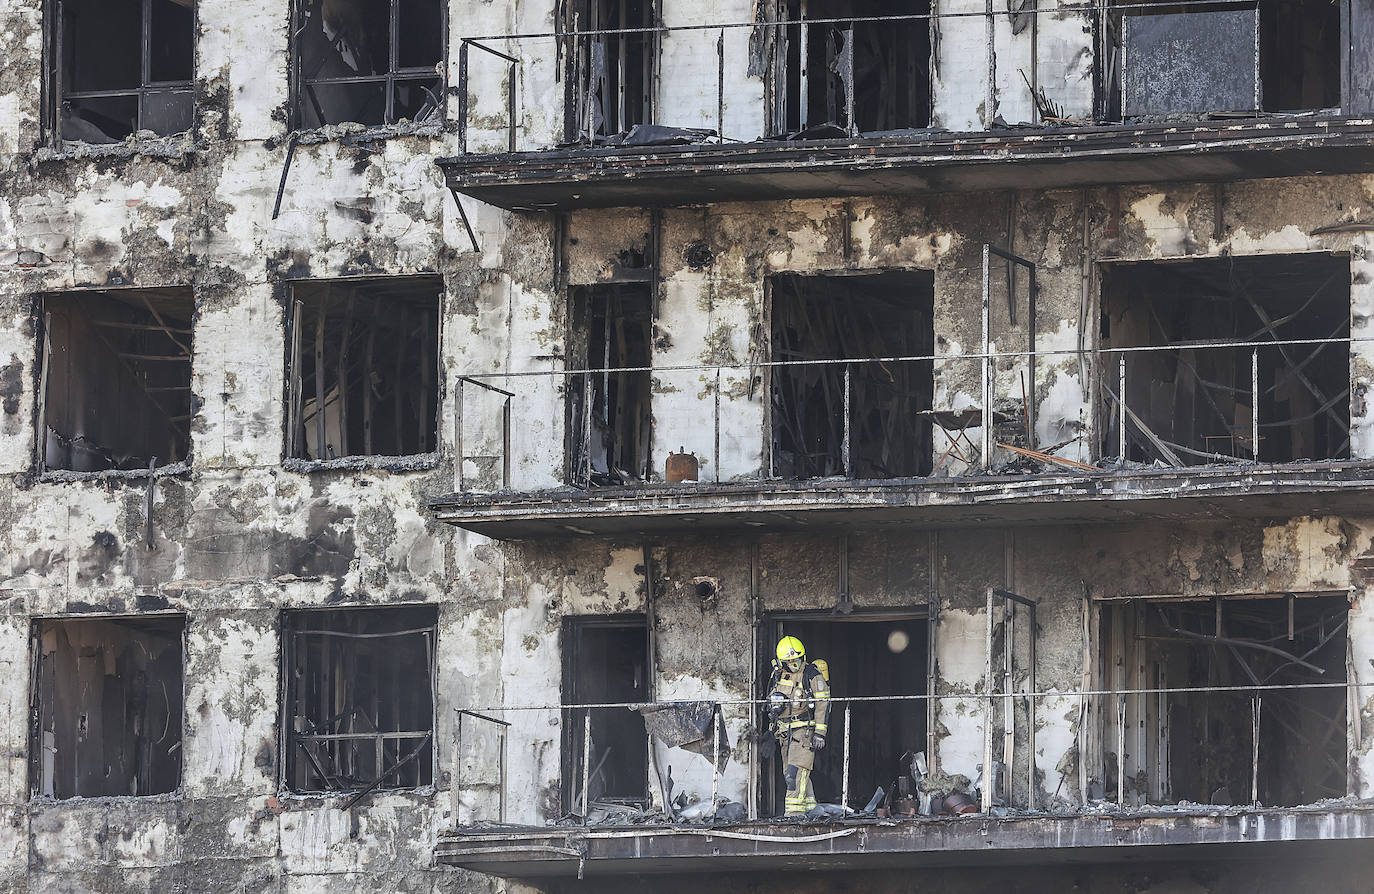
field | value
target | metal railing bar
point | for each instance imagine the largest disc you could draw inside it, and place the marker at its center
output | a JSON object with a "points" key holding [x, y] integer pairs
{"points": [[923, 358], [485, 385], [960, 696], [903, 17]]}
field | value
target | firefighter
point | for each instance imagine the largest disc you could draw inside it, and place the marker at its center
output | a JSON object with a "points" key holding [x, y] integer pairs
{"points": [[798, 705]]}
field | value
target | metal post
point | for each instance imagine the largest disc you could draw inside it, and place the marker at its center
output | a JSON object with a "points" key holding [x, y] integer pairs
{"points": [[458, 426], [458, 773], [1254, 409], [715, 763], [844, 443], [987, 344], [720, 85], [505, 445], [990, 100], [804, 70], [987, 702], [510, 108], [715, 461], [1121, 749], [1256, 703], [587, 425], [1008, 699], [847, 78], [586, 761], [1030, 717], [1121, 407], [463, 98], [505, 738], [844, 786]]}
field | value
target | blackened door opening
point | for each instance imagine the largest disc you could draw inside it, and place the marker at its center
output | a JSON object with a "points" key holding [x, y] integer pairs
{"points": [[605, 661], [868, 656], [609, 422]]}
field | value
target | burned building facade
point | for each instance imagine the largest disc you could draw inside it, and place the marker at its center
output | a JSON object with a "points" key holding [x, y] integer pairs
{"points": [[395, 390]]}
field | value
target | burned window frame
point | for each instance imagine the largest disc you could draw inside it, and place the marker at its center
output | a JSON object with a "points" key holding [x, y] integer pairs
{"points": [[54, 93], [294, 441], [579, 119], [183, 338], [572, 724], [1254, 350], [37, 749], [785, 121], [588, 392], [775, 375], [1353, 96], [291, 740], [299, 85], [1127, 665], [773, 625]]}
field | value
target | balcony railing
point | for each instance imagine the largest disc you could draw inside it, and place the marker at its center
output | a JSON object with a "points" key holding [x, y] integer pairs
{"points": [[484, 775], [1121, 433]]}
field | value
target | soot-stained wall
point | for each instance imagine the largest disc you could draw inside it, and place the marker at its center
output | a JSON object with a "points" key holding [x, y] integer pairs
{"points": [[240, 536]]}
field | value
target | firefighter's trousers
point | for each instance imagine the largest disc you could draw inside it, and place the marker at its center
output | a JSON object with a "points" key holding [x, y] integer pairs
{"points": [[798, 758]]}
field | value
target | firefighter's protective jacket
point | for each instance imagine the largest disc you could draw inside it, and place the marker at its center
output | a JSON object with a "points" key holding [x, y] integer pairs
{"points": [[806, 700]]}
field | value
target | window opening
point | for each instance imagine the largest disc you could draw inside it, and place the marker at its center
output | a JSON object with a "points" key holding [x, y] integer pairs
{"points": [[108, 707], [364, 367], [1196, 402], [115, 386], [1172, 61], [359, 698], [370, 62], [612, 75], [835, 79], [852, 316], [122, 66], [1201, 746], [605, 661], [610, 424], [867, 656]]}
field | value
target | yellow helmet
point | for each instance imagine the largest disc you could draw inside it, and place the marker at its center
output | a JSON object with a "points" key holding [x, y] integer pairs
{"points": [[789, 647]]}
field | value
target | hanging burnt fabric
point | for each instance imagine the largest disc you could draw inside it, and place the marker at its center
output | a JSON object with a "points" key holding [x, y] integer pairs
{"points": [[687, 725]]}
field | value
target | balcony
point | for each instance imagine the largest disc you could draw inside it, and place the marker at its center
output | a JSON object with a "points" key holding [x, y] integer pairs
{"points": [[1217, 386], [1148, 813], [807, 107]]}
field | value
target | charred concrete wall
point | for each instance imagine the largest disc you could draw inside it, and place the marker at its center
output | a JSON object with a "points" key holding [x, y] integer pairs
{"points": [[703, 649], [715, 261], [241, 536]]}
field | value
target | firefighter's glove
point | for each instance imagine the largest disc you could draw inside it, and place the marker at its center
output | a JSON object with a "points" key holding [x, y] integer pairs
{"points": [[817, 742], [776, 703]]}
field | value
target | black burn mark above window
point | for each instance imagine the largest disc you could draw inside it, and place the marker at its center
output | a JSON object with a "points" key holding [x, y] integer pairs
{"points": [[370, 62], [359, 708], [115, 389], [11, 385], [108, 707], [123, 66], [364, 367]]}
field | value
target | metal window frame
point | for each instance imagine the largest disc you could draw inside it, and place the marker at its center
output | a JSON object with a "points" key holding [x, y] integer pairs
{"points": [[35, 732], [43, 352], [300, 85], [573, 739], [293, 399], [288, 738], [52, 70]]}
